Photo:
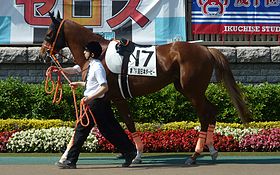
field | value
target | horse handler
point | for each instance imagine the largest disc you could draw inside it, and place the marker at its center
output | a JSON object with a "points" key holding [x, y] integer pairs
{"points": [[94, 96]]}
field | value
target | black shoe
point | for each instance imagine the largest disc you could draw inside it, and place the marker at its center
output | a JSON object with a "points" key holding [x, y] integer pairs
{"points": [[63, 149], [66, 165], [128, 158], [120, 156]]}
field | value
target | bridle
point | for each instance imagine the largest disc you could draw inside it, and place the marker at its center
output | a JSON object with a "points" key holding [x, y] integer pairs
{"points": [[54, 69], [51, 52]]}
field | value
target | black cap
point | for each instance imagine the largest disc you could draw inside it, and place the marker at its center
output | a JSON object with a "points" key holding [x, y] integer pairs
{"points": [[94, 47]]}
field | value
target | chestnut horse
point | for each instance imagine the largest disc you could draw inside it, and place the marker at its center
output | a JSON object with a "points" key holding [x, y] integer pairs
{"points": [[188, 66]]}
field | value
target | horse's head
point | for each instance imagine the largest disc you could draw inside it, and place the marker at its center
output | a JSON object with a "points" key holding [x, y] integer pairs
{"points": [[54, 39]]}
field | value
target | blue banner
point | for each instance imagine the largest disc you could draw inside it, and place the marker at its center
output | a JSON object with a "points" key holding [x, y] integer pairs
{"points": [[236, 17], [5, 29]]}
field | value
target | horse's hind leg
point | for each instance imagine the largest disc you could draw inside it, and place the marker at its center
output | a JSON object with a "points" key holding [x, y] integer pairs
{"points": [[210, 142], [124, 111], [207, 118], [210, 124]]}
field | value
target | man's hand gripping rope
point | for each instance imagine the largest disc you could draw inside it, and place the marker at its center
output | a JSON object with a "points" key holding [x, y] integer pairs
{"points": [[84, 110]]}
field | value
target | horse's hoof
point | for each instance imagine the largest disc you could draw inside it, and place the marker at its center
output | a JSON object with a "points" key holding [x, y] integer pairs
{"points": [[190, 162], [214, 155], [137, 161]]}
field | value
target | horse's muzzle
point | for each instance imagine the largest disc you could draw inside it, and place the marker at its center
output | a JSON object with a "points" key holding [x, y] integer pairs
{"points": [[43, 57], [44, 54]]}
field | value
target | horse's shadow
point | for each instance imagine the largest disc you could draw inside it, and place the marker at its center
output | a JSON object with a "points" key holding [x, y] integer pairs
{"points": [[179, 160], [206, 159], [253, 160]]}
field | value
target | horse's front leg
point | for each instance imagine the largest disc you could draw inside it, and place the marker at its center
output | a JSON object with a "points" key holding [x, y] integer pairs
{"points": [[124, 111]]}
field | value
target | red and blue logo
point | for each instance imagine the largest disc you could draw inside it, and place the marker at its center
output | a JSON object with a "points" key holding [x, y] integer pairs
{"points": [[213, 7]]}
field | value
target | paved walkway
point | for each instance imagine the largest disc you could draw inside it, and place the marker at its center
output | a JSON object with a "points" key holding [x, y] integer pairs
{"points": [[152, 165]]}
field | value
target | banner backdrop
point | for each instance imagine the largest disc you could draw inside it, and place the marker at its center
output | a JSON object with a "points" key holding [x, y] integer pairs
{"points": [[236, 17], [142, 21]]}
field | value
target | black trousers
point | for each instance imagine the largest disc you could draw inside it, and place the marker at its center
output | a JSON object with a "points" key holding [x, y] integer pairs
{"points": [[108, 126]]}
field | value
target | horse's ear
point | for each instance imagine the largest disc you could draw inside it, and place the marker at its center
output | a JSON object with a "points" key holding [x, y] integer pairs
{"points": [[58, 15], [52, 17], [51, 14]]}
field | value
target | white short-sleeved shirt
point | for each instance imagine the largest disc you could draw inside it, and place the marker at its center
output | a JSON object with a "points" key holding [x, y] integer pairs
{"points": [[95, 78], [77, 68]]}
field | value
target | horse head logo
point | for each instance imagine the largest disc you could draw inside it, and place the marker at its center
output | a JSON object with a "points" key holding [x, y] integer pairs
{"points": [[217, 5]]}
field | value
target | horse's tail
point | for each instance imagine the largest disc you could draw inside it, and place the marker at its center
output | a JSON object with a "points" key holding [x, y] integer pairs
{"points": [[224, 74]]}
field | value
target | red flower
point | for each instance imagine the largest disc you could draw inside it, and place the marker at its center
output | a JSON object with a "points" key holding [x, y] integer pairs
{"points": [[4, 137]]}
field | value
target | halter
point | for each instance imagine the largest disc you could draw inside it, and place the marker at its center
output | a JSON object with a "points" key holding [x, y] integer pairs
{"points": [[51, 52], [55, 69], [58, 89]]}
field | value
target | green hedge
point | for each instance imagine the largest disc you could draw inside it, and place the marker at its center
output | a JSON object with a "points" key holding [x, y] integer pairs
{"points": [[24, 124], [169, 106], [20, 100]]}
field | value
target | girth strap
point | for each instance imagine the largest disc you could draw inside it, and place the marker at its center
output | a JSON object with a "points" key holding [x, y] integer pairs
{"points": [[124, 86], [124, 48]]}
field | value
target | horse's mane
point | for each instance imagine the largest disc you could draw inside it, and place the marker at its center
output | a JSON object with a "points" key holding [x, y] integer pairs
{"points": [[89, 32], [99, 35]]}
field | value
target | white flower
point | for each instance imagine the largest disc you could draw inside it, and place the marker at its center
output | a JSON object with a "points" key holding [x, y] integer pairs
{"points": [[46, 140], [236, 133]]}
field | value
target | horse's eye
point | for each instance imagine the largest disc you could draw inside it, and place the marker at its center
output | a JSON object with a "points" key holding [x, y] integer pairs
{"points": [[49, 37]]}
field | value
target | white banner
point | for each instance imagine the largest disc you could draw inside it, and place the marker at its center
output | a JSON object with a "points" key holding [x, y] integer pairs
{"points": [[142, 21]]}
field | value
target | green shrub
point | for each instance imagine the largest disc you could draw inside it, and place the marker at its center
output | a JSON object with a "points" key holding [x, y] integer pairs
{"points": [[15, 98], [21, 100], [24, 124], [264, 101], [184, 125], [164, 106]]}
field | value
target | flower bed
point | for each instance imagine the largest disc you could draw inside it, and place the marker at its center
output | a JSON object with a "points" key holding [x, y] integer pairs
{"points": [[46, 140], [4, 138], [264, 140], [225, 139]]}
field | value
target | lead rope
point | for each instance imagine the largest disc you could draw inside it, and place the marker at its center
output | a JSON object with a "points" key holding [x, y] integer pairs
{"points": [[49, 89], [83, 107], [58, 89]]}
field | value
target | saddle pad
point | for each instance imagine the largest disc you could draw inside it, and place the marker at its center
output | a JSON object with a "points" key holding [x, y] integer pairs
{"points": [[141, 62], [112, 58]]}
